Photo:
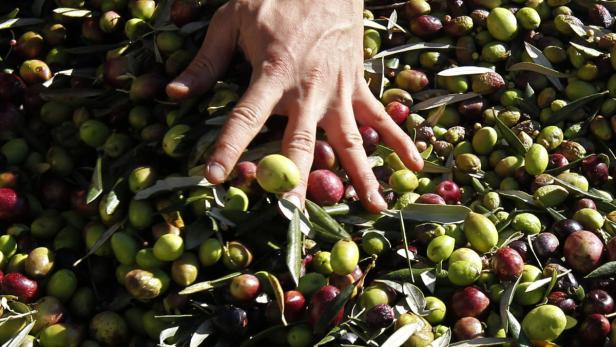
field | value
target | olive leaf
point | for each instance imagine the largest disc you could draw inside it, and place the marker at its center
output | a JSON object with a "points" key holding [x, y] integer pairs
{"points": [[534, 67], [172, 183], [442, 341], [337, 209], [198, 231], [167, 334], [72, 12], [374, 25], [192, 27], [333, 308], [505, 302], [607, 269], [203, 331], [575, 190], [591, 52], [515, 328], [445, 214], [20, 337], [483, 341], [568, 110], [19, 22], [256, 339], [414, 298], [287, 209], [537, 56], [411, 47], [430, 167], [401, 335], [294, 248], [518, 195], [100, 242], [405, 275], [278, 295], [391, 22], [542, 282], [557, 216], [261, 151], [321, 221], [443, 100], [96, 183], [207, 285], [516, 145], [93, 48], [37, 7], [464, 70]]}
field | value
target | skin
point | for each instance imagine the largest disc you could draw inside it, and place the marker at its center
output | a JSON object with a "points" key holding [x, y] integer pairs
{"points": [[307, 61]]}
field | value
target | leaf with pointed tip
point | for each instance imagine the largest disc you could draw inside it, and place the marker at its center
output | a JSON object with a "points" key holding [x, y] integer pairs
{"points": [[505, 302], [607, 269], [18, 339], [333, 308], [172, 183], [19, 22], [534, 67], [537, 56], [294, 248], [587, 50], [96, 184], [411, 47], [446, 214], [443, 100], [464, 70], [401, 335], [72, 12], [207, 285], [100, 242], [483, 341], [510, 137], [568, 110]]}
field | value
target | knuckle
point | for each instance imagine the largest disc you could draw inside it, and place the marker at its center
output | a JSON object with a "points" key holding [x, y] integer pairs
{"points": [[246, 116], [277, 69], [203, 65], [314, 77], [226, 150], [350, 140], [301, 141]]}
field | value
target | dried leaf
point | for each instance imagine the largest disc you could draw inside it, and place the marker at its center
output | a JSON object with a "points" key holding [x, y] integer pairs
{"points": [[294, 247], [443, 100], [528, 66], [537, 56], [464, 70], [445, 214]]}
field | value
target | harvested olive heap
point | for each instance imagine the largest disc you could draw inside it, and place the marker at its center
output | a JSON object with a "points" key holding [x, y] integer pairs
{"points": [[110, 235]]}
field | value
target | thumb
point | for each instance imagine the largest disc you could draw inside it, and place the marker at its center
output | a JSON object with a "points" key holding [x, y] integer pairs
{"points": [[212, 59]]}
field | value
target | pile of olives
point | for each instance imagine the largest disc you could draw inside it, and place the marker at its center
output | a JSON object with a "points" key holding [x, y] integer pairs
{"points": [[110, 235]]}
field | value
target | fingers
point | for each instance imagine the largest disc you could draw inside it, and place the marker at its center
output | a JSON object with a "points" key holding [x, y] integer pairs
{"points": [[369, 111], [298, 145], [212, 59], [242, 125], [344, 136]]}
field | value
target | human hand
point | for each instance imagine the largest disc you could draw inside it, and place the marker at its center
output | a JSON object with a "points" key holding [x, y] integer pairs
{"points": [[307, 60]]}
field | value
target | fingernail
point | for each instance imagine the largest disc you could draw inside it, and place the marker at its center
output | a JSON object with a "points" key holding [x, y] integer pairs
{"points": [[179, 86], [375, 198], [215, 172]]}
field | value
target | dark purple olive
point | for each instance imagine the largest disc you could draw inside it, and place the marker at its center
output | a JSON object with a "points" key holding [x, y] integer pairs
{"points": [[370, 138], [598, 301], [594, 330], [426, 26], [467, 328], [600, 15], [471, 109], [563, 301], [584, 203], [567, 283], [563, 228], [557, 160], [522, 176], [232, 321], [431, 199], [545, 245], [380, 316], [469, 302], [382, 173], [520, 246]]}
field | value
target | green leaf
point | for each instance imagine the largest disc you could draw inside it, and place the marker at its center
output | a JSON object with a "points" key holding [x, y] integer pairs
{"points": [[591, 52], [415, 298], [430, 167], [513, 141], [537, 56], [96, 183], [575, 190], [542, 282], [172, 183], [294, 248], [519, 196], [207, 285], [411, 47], [567, 111], [100, 242], [197, 232], [464, 70], [19, 22], [445, 214], [320, 218], [374, 25], [193, 27], [505, 302], [332, 309], [546, 71], [515, 328], [443, 100], [257, 339], [606, 269]]}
